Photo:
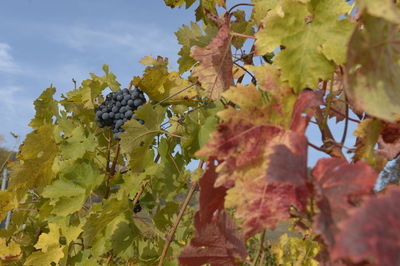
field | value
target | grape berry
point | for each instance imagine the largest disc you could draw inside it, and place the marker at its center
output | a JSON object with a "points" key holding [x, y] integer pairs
{"points": [[118, 108]]}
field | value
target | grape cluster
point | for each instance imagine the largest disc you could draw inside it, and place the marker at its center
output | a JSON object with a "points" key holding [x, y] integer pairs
{"points": [[118, 107]]}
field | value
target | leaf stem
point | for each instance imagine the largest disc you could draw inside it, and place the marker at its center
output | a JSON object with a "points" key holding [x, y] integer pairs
{"points": [[242, 35], [346, 125], [176, 93], [237, 5]]}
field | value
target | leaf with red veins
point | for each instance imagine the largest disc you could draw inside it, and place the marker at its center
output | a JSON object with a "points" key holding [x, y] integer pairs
{"points": [[215, 243], [372, 231], [263, 193], [306, 101], [215, 62], [340, 186]]}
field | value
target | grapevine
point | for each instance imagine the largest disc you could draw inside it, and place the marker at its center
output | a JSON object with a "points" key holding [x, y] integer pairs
{"points": [[209, 164]]}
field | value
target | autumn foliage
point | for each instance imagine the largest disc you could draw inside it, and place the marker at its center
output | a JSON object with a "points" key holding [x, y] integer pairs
{"points": [[251, 84]]}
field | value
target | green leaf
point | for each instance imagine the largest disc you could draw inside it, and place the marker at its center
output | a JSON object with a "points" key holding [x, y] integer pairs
{"points": [[261, 9], [240, 25], [35, 160], [39, 258], [78, 143], [137, 138], [312, 36], [373, 71], [159, 84], [385, 9], [46, 109], [189, 36]]}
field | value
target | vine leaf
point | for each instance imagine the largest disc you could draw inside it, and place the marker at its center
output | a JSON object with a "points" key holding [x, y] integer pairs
{"points": [[263, 167], [35, 160], [372, 72], [137, 138], [9, 251], [368, 135], [39, 258], [385, 9], [389, 140], [313, 37], [341, 186], [160, 84], [216, 241], [215, 62], [240, 25], [373, 230], [261, 9], [189, 36], [7, 203]]}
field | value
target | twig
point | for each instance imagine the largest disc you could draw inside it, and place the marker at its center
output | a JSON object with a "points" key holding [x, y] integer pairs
{"points": [[351, 119], [327, 137], [253, 79], [316, 147], [241, 4], [74, 81], [242, 35], [346, 125], [171, 234], [111, 172]]}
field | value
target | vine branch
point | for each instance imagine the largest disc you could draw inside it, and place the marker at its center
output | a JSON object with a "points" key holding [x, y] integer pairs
{"points": [[171, 234]]}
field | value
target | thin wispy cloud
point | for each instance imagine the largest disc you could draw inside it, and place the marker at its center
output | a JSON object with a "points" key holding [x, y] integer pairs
{"points": [[120, 37], [7, 62]]}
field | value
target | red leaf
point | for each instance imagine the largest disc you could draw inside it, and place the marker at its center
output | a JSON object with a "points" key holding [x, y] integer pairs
{"points": [[216, 241], [307, 100], [215, 62], [340, 186], [211, 198], [389, 141], [266, 198], [372, 231]]}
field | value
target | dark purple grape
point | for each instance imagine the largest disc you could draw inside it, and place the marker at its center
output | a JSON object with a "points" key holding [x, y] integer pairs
{"points": [[118, 104], [125, 90], [128, 114], [123, 102], [122, 110], [111, 115], [115, 109], [99, 113], [134, 94], [137, 102], [141, 121], [120, 97], [130, 103], [104, 116], [127, 97], [119, 123]]}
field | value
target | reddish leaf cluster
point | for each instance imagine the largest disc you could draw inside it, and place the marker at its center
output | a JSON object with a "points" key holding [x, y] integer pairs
{"points": [[216, 241]]}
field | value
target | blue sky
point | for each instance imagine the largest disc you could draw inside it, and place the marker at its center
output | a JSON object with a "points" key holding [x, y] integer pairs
{"points": [[45, 42]]}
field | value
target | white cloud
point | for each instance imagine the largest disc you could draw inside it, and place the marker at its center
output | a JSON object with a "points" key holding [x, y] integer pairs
{"points": [[13, 103], [120, 37], [7, 63]]}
